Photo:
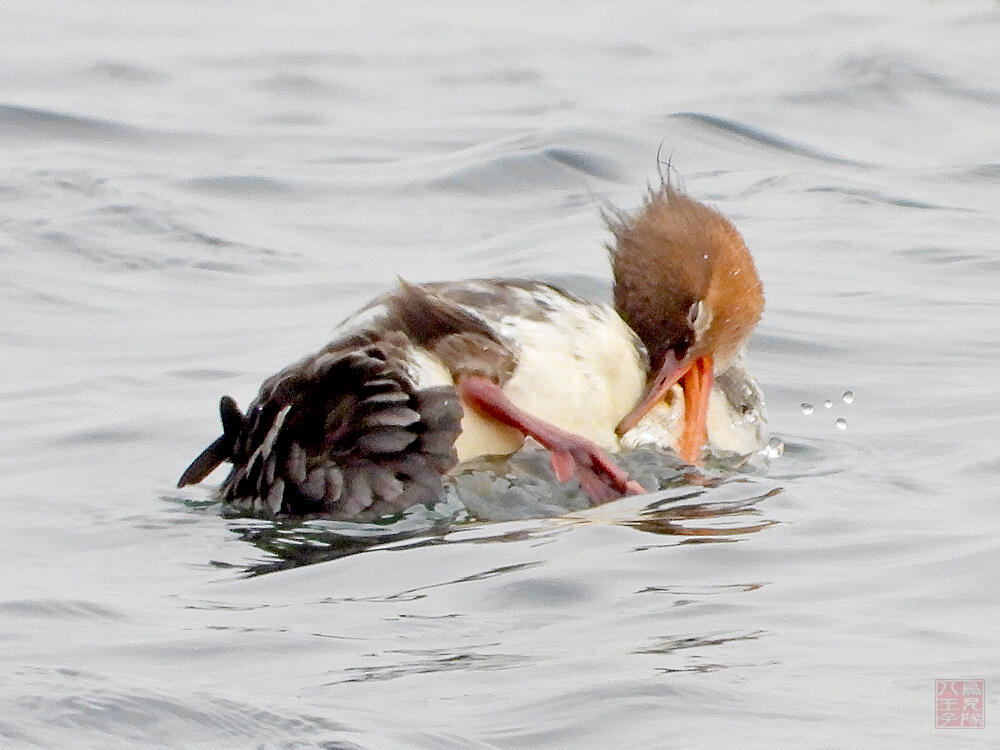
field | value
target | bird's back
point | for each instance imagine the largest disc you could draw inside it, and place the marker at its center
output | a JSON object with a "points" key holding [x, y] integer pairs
{"points": [[370, 423]]}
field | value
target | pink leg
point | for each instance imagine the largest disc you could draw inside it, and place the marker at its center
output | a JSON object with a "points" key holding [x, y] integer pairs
{"points": [[571, 455]]}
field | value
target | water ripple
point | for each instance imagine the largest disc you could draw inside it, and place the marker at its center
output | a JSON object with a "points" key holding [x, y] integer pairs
{"points": [[158, 238], [434, 661], [892, 76], [60, 609], [875, 196], [101, 713], [244, 186], [37, 124], [745, 132], [515, 166], [515, 498], [674, 643], [126, 73], [43, 707]]}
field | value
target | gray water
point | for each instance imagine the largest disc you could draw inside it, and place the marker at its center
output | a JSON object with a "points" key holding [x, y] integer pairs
{"points": [[192, 196]]}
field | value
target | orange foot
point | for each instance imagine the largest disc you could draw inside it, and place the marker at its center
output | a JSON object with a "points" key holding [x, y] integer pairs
{"points": [[571, 455]]}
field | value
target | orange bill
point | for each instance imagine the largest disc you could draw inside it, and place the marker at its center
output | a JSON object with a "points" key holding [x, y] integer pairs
{"points": [[697, 385], [695, 377]]}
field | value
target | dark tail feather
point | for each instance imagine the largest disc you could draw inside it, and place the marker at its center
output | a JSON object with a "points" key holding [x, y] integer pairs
{"points": [[346, 434], [233, 420], [220, 450], [206, 462]]}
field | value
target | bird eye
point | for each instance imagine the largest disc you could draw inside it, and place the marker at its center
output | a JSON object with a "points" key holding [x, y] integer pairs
{"points": [[699, 317], [694, 312]]}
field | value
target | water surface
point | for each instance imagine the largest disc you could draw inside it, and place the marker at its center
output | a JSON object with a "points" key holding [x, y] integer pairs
{"points": [[193, 197]]}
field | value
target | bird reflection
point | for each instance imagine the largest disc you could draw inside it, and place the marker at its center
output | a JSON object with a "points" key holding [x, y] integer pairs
{"points": [[685, 505]]}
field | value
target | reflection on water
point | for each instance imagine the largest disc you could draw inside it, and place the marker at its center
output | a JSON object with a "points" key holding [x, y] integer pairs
{"points": [[710, 521], [432, 661], [672, 644], [700, 505], [291, 543], [685, 651]]}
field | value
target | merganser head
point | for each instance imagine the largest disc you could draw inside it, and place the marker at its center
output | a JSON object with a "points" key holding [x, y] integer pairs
{"points": [[686, 284]]}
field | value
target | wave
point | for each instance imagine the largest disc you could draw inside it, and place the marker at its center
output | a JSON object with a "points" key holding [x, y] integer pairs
{"points": [[43, 124], [506, 167], [741, 131], [42, 707], [890, 77]]}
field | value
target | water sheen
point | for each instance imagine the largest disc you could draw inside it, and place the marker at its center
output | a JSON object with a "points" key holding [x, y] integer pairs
{"points": [[194, 195]]}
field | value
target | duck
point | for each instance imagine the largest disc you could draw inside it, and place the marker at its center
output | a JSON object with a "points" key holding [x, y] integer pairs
{"points": [[428, 376]]}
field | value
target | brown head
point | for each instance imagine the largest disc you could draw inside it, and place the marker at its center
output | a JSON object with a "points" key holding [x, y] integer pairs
{"points": [[686, 284]]}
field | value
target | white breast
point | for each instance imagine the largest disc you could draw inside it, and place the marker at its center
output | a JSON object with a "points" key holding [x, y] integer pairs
{"points": [[579, 368]]}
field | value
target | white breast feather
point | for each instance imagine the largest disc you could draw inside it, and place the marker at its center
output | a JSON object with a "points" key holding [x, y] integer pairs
{"points": [[579, 368]]}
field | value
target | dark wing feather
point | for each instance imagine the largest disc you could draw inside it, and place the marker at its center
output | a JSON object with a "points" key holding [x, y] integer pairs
{"points": [[465, 342], [344, 434]]}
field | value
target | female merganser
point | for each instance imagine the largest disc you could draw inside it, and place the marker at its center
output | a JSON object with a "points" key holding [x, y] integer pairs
{"points": [[430, 375]]}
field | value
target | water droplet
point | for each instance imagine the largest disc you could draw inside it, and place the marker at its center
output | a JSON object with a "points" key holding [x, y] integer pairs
{"points": [[848, 397], [774, 448], [841, 423], [807, 409], [828, 404]]}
